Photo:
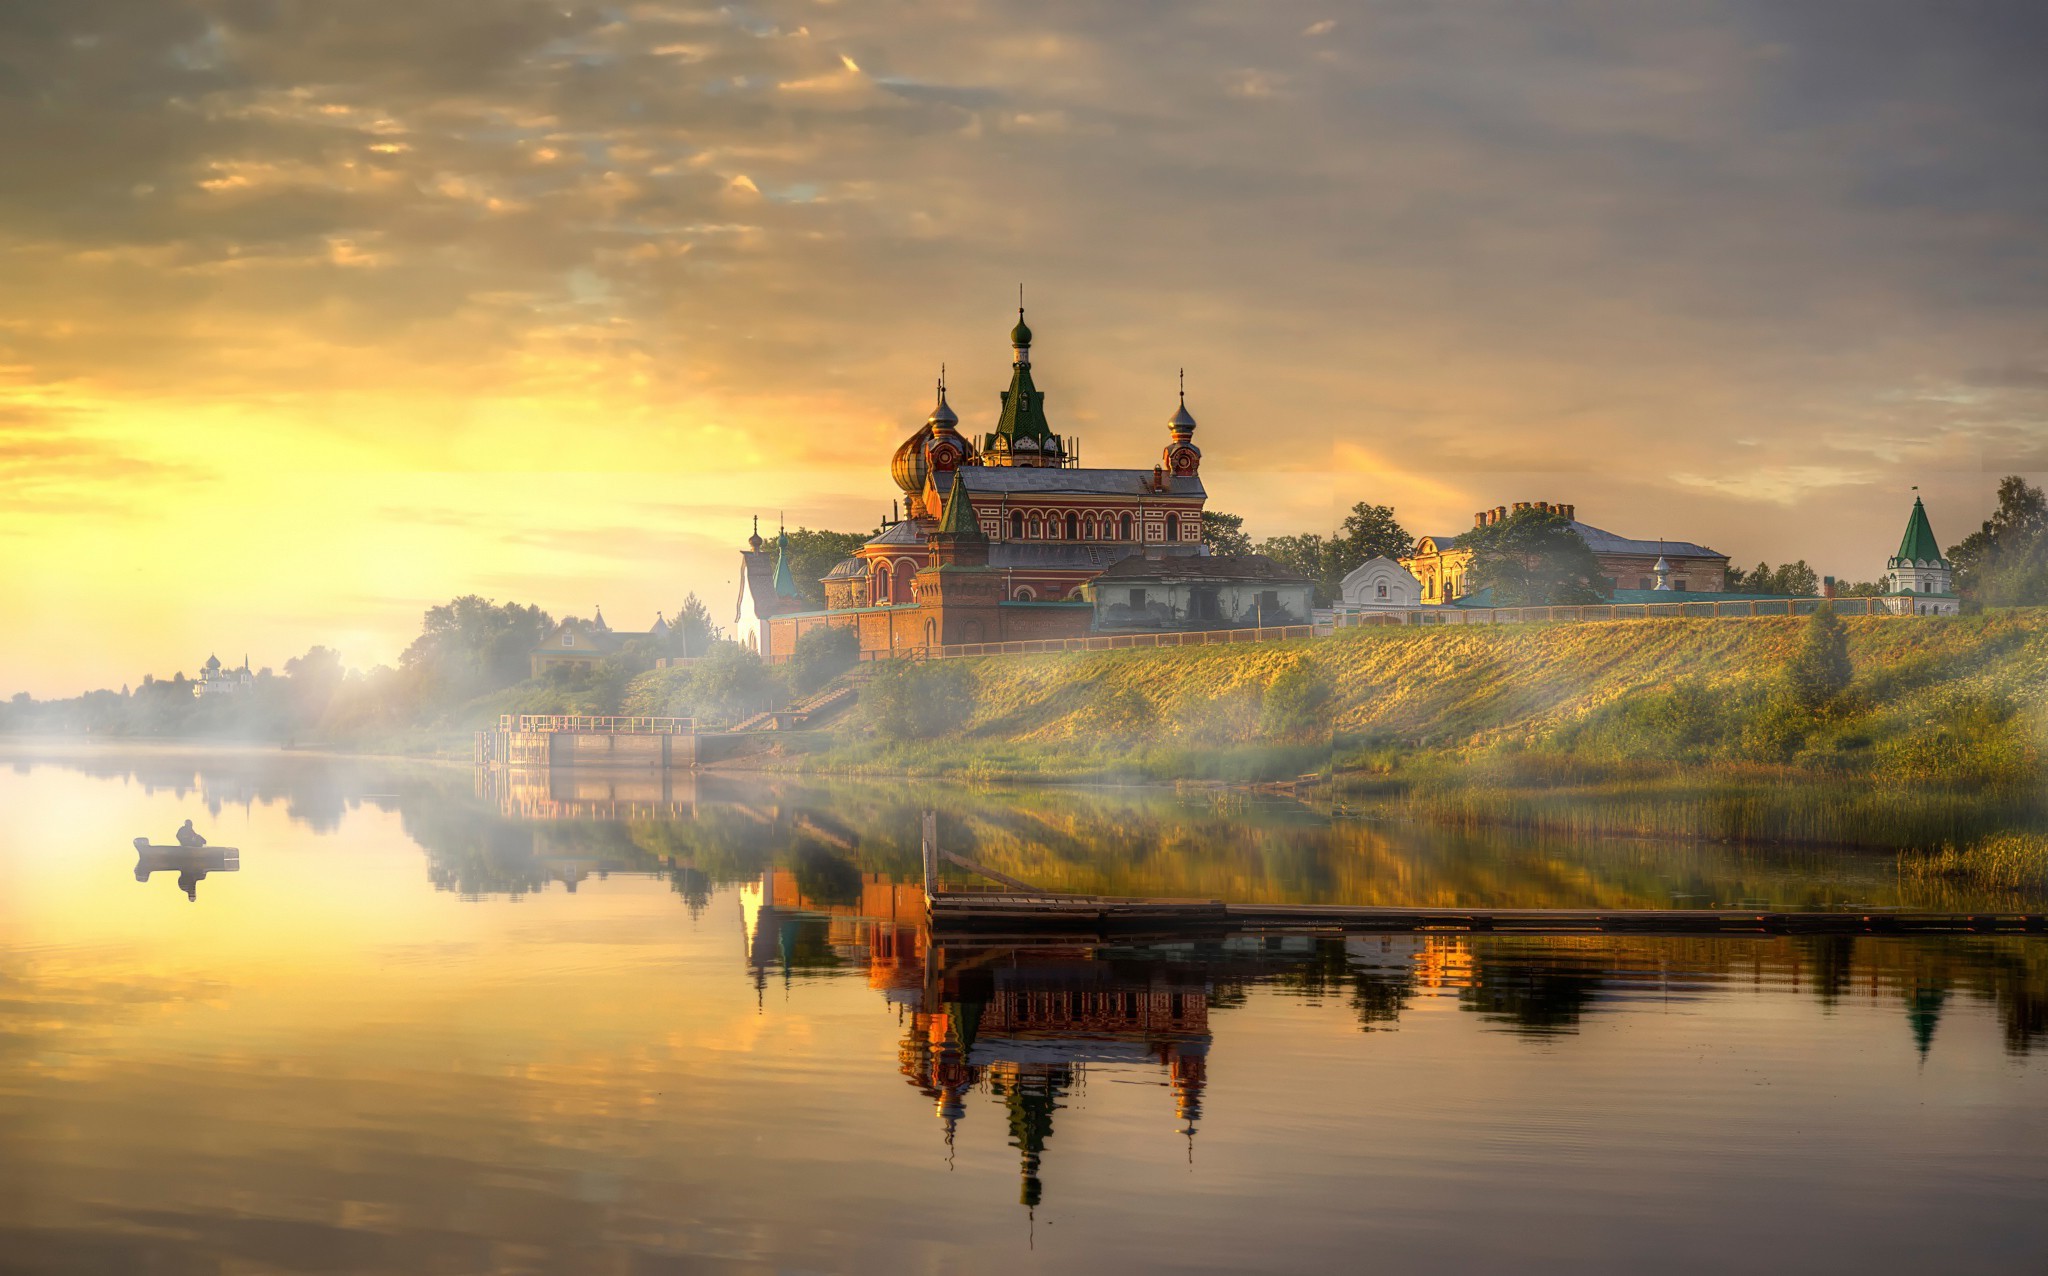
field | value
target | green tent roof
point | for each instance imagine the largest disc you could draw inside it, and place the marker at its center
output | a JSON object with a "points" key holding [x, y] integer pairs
{"points": [[958, 518], [785, 580], [1919, 545]]}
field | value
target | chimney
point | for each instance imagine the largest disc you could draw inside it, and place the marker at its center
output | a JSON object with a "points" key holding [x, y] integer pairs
{"points": [[1479, 519], [1544, 506], [1520, 506], [1827, 587], [1499, 512], [1570, 512]]}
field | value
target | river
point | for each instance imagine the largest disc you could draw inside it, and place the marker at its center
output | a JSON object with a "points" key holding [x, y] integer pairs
{"points": [[436, 1022]]}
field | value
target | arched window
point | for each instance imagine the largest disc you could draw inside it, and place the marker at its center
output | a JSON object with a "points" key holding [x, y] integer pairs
{"points": [[1124, 528], [1092, 530], [1073, 527], [1173, 527], [1017, 527], [901, 588], [1037, 528], [1024, 594], [878, 586]]}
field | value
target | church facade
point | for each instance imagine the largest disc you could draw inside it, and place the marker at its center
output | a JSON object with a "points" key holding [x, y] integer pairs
{"points": [[1002, 529]]}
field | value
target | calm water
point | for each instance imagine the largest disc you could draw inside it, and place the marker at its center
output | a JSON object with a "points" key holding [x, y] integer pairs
{"points": [[583, 1027]]}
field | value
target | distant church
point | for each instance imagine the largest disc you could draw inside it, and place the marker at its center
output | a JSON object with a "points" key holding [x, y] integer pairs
{"points": [[1001, 533], [1920, 581]]}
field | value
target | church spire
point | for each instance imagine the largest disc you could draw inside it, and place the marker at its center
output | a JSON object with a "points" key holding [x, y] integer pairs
{"points": [[1022, 435]]}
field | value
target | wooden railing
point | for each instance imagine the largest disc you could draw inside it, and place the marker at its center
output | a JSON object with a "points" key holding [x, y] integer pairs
{"points": [[528, 723]]}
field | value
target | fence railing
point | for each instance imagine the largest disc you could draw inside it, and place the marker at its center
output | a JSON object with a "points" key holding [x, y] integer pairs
{"points": [[1097, 642], [1695, 609], [529, 723]]}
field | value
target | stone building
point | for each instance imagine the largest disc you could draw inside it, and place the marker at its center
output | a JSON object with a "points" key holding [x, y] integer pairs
{"points": [[1204, 592], [1625, 563], [1922, 582], [1046, 526]]}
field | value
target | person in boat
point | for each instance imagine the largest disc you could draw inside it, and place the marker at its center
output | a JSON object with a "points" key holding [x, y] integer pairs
{"points": [[189, 837]]}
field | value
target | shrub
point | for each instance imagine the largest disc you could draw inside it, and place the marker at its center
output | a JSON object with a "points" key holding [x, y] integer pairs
{"points": [[1821, 670], [820, 656], [1298, 701], [918, 700]]}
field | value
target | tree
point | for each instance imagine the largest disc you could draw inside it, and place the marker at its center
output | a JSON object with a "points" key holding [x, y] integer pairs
{"points": [[1224, 533], [1371, 531], [2005, 562], [1368, 532], [1306, 553], [812, 554], [1820, 670], [821, 655], [691, 633], [916, 699], [1531, 558], [472, 645], [1796, 579]]}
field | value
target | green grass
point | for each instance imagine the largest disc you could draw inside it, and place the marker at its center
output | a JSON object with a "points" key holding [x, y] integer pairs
{"points": [[1667, 728]]}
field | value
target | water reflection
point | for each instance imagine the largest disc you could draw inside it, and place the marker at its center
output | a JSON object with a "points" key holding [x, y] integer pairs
{"points": [[628, 1030], [191, 864]]}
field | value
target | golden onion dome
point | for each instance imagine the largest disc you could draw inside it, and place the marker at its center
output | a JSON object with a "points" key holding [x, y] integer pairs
{"points": [[909, 467]]}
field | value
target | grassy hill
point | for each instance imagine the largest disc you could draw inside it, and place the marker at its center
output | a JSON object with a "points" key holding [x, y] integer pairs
{"points": [[1536, 724]]}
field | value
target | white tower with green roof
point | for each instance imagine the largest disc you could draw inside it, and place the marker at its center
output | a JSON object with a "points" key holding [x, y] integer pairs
{"points": [[1922, 581]]}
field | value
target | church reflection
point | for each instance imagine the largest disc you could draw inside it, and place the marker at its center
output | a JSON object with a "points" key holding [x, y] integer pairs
{"points": [[1021, 1027]]}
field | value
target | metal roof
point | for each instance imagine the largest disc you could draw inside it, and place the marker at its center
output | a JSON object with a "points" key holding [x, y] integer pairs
{"points": [[1052, 480], [1205, 567]]}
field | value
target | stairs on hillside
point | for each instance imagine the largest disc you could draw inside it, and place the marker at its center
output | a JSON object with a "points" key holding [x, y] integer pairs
{"points": [[805, 712]]}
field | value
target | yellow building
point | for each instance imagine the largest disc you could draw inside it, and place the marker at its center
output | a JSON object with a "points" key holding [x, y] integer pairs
{"points": [[1627, 566]]}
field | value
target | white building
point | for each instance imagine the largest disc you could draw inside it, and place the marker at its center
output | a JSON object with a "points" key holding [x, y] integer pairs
{"points": [[1380, 584], [1922, 582]]}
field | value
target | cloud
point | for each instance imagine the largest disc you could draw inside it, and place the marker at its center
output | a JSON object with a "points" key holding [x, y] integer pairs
{"points": [[1418, 255]]}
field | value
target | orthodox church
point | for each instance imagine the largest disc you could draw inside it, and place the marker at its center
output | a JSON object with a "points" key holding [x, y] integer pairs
{"points": [[999, 533]]}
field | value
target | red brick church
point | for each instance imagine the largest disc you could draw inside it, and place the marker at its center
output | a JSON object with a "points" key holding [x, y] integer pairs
{"points": [[1001, 530]]}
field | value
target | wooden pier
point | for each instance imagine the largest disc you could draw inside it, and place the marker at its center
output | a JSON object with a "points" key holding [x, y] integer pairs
{"points": [[1013, 909]]}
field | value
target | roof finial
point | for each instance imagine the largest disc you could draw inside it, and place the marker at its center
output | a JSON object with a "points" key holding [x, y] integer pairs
{"points": [[1183, 387]]}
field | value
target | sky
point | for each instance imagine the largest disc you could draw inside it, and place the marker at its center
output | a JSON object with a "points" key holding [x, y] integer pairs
{"points": [[313, 315]]}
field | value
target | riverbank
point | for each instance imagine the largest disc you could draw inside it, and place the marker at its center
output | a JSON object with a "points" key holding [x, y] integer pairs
{"points": [[1677, 729]]}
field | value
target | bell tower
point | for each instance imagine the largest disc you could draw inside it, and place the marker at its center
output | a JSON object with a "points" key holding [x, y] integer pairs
{"points": [[1182, 459]]}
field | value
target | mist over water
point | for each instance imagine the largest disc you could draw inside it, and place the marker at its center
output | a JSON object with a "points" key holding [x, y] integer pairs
{"points": [[436, 1024]]}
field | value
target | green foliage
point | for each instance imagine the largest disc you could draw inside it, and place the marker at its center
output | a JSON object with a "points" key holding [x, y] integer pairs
{"points": [[2005, 562], [473, 645], [1224, 533], [1372, 531], [1532, 558], [2013, 860], [728, 683], [812, 554], [821, 655], [1796, 579], [1368, 531], [918, 700], [691, 632], [1297, 702], [1821, 670]]}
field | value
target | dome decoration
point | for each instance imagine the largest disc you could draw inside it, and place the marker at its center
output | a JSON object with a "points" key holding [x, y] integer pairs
{"points": [[1182, 458], [909, 467], [1021, 334]]}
